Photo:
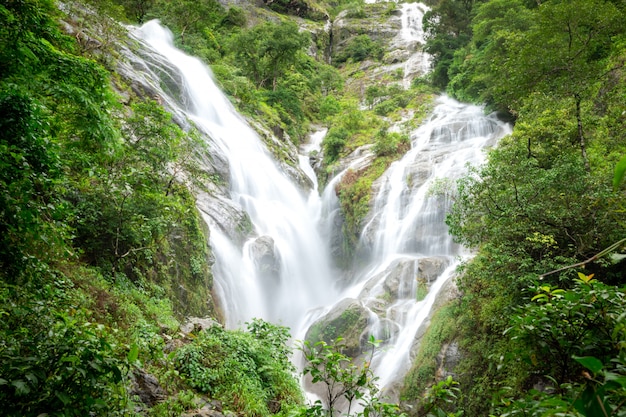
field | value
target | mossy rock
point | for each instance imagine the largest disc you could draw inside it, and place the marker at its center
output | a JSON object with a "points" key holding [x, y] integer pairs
{"points": [[348, 320]]}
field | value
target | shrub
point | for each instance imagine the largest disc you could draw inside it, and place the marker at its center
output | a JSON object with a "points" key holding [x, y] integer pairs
{"points": [[248, 371]]}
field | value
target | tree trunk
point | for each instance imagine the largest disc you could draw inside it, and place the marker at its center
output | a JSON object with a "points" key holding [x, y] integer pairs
{"points": [[581, 134]]}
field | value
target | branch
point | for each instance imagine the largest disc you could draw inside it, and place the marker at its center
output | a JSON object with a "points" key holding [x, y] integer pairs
{"points": [[593, 258]]}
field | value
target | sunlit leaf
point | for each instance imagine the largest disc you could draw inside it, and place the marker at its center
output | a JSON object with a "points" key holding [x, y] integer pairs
{"points": [[133, 353], [617, 257], [620, 170]]}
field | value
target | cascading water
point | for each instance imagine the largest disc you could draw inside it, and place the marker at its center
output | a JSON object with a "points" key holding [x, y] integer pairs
{"points": [[283, 273], [293, 276], [412, 33], [406, 239]]}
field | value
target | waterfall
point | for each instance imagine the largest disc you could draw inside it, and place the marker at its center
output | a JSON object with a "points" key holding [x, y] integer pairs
{"points": [[281, 271], [412, 35], [406, 239]]}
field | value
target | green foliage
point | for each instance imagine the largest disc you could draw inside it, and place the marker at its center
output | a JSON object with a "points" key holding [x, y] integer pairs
{"points": [[267, 51], [576, 338], [342, 380], [441, 331], [334, 142], [560, 324], [439, 397], [295, 7], [55, 361], [249, 372], [391, 143], [447, 27], [29, 171], [620, 170], [359, 49], [515, 196], [87, 201]]}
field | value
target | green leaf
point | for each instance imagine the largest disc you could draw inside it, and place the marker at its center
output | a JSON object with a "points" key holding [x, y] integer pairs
{"points": [[20, 387], [589, 362], [617, 257], [620, 170], [133, 353], [538, 296], [620, 379]]}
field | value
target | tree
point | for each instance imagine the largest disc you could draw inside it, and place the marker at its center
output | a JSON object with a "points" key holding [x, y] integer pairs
{"points": [[447, 27], [267, 51], [343, 381], [29, 171]]}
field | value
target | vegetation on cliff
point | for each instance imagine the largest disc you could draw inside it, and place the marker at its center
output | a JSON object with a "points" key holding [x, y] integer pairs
{"points": [[538, 338]]}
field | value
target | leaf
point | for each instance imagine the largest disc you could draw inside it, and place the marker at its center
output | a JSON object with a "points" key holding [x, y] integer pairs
{"points": [[589, 362], [620, 170], [617, 257], [133, 353], [620, 379], [20, 387], [65, 399]]}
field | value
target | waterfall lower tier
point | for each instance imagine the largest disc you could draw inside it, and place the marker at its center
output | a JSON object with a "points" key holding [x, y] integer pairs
{"points": [[405, 243]]}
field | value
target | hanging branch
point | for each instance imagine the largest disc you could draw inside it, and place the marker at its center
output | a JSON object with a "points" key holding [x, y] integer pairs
{"points": [[593, 258]]}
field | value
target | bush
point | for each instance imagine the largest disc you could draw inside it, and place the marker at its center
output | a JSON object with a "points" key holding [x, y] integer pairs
{"points": [[391, 143], [249, 372], [333, 143], [359, 49], [54, 363]]}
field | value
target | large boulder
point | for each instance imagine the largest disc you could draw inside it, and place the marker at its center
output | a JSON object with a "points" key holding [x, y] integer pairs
{"points": [[221, 212], [348, 320]]}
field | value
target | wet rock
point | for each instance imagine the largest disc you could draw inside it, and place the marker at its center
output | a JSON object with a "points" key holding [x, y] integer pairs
{"points": [[226, 215], [146, 387], [358, 160], [401, 280], [349, 320], [448, 358], [266, 260]]}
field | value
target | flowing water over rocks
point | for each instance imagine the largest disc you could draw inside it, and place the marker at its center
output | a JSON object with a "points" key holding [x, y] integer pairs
{"points": [[273, 241]]}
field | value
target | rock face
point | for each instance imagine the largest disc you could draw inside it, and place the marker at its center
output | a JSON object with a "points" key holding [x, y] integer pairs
{"points": [[372, 314], [222, 212], [266, 260], [381, 25], [147, 388], [401, 279]]}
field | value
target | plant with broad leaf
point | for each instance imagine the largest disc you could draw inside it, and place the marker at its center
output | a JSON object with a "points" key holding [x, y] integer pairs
{"points": [[343, 381], [576, 339]]}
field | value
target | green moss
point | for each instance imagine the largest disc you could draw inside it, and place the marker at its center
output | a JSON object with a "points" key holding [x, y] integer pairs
{"points": [[354, 191], [422, 289], [348, 326], [442, 330]]}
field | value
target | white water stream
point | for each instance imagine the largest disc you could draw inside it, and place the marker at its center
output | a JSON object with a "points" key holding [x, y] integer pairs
{"points": [[405, 240], [277, 208]]}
